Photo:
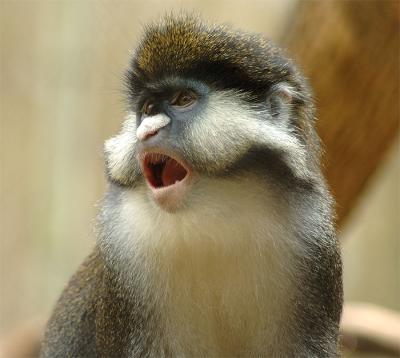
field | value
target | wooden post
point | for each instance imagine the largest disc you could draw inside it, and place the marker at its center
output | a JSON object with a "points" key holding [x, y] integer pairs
{"points": [[350, 52]]}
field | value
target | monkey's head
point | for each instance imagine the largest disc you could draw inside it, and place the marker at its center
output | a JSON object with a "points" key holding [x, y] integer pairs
{"points": [[211, 105]]}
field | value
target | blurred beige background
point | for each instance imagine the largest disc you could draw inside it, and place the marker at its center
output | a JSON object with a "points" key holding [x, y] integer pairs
{"points": [[61, 96]]}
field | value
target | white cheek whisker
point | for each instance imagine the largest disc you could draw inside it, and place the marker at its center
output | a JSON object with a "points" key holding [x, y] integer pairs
{"points": [[119, 150]]}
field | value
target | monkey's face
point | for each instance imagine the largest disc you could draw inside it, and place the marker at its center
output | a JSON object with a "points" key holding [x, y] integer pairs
{"points": [[210, 105], [184, 133]]}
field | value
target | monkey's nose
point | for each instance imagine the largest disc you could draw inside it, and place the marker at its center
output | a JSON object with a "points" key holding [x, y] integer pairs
{"points": [[150, 134], [151, 125]]}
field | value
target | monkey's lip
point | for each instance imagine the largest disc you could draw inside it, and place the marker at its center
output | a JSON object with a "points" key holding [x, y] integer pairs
{"points": [[168, 177]]}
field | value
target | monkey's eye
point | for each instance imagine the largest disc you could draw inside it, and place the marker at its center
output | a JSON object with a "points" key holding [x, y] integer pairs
{"points": [[183, 99], [147, 108]]}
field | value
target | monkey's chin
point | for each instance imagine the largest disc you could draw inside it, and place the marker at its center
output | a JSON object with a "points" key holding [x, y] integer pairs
{"points": [[171, 198]]}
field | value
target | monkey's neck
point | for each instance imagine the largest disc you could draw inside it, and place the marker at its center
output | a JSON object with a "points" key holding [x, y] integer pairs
{"points": [[219, 275]]}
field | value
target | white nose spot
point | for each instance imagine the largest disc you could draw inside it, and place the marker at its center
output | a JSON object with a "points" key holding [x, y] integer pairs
{"points": [[150, 125]]}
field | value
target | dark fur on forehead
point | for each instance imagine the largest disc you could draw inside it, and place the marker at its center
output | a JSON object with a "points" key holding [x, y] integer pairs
{"points": [[225, 58]]}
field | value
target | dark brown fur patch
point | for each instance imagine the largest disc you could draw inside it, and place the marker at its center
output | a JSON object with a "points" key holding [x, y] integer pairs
{"points": [[184, 45]]}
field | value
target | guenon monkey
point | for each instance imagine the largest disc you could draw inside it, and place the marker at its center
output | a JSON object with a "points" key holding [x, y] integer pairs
{"points": [[216, 237]]}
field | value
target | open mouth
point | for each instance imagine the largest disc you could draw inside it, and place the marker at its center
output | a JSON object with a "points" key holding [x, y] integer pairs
{"points": [[162, 171]]}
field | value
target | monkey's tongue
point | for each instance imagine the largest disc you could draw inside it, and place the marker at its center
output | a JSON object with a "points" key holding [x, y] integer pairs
{"points": [[172, 172]]}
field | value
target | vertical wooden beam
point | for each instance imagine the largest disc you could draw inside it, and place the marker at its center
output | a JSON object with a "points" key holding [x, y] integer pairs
{"points": [[350, 52]]}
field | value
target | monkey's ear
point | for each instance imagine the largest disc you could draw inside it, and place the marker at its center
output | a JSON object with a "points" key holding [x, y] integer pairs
{"points": [[291, 111], [293, 108], [280, 101]]}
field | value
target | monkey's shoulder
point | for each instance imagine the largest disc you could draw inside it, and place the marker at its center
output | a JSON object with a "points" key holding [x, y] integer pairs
{"points": [[71, 327]]}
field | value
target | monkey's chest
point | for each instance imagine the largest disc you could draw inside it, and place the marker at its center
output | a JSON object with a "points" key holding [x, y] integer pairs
{"points": [[231, 311]]}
